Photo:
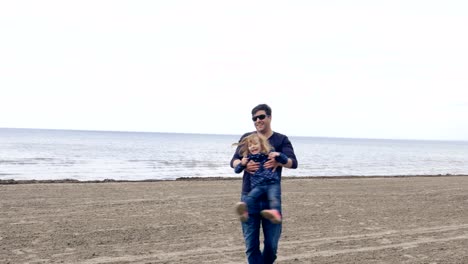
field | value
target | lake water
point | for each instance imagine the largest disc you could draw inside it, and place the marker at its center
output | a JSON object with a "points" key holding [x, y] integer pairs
{"points": [[27, 154]]}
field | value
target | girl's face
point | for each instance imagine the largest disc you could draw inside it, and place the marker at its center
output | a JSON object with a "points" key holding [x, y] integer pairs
{"points": [[254, 146]]}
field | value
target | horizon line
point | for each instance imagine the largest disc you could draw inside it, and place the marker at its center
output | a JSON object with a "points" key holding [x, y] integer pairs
{"points": [[219, 134]]}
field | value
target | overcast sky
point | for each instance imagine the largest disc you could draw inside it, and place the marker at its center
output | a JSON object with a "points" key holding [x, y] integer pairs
{"points": [[363, 69]]}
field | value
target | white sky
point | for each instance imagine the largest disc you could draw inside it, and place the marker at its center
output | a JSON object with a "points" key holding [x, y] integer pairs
{"points": [[365, 69]]}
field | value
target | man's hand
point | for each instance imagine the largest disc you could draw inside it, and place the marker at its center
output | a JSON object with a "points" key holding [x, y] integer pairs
{"points": [[244, 161], [252, 167], [271, 163]]}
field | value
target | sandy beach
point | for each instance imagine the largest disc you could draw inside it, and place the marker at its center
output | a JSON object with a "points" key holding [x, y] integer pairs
{"points": [[342, 220]]}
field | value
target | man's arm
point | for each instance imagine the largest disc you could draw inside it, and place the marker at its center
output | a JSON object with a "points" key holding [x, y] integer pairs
{"points": [[235, 162], [289, 164], [236, 158], [288, 150], [251, 166]]}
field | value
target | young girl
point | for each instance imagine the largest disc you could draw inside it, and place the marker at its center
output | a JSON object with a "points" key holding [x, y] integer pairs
{"points": [[256, 148]]}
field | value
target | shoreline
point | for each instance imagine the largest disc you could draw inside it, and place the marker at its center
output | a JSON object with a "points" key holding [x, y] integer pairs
{"points": [[33, 181]]}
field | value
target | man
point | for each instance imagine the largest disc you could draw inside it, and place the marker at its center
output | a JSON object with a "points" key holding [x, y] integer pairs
{"points": [[261, 115]]}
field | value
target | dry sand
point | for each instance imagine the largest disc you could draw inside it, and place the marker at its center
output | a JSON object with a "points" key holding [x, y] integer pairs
{"points": [[354, 220]]}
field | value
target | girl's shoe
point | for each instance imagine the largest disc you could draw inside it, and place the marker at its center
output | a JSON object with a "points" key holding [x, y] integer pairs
{"points": [[273, 215], [241, 209]]}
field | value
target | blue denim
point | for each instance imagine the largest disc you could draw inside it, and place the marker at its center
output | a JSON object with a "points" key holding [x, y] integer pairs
{"points": [[251, 232], [273, 192]]}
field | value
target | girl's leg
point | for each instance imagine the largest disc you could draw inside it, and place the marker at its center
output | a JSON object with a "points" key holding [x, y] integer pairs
{"points": [[274, 200], [274, 196], [250, 199], [241, 209]]}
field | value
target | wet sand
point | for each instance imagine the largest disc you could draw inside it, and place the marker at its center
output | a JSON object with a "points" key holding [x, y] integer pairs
{"points": [[343, 220]]}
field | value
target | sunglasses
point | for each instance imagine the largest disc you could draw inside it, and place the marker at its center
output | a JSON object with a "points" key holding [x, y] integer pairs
{"points": [[261, 117]]}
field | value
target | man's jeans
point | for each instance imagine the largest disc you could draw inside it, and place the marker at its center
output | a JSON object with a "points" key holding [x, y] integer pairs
{"points": [[251, 231]]}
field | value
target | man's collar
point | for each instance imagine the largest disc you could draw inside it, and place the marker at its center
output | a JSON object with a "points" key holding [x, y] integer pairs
{"points": [[268, 135]]}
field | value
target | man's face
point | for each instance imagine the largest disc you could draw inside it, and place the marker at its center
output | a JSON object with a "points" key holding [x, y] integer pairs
{"points": [[261, 125]]}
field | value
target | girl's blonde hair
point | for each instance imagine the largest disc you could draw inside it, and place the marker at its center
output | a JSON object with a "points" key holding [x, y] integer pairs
{"points": [[265, 146]]}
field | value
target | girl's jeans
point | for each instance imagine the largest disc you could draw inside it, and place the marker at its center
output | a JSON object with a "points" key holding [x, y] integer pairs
{"points": [[271, 190]]}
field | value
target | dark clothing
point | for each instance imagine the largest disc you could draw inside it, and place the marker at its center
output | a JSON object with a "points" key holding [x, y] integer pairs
{"points": [[264, 181], [251, 228], [251, 231], [262, 176], [272, 191], [280, 143]]}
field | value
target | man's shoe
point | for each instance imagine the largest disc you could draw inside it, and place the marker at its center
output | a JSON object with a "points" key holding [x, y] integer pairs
{"points": [[273, 215]]}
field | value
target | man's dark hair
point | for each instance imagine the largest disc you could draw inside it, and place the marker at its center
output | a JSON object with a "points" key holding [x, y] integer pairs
{"points": [[263, 107]]}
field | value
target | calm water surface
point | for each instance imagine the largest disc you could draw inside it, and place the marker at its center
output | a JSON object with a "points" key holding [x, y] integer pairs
{"points": [[94, 155]]}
